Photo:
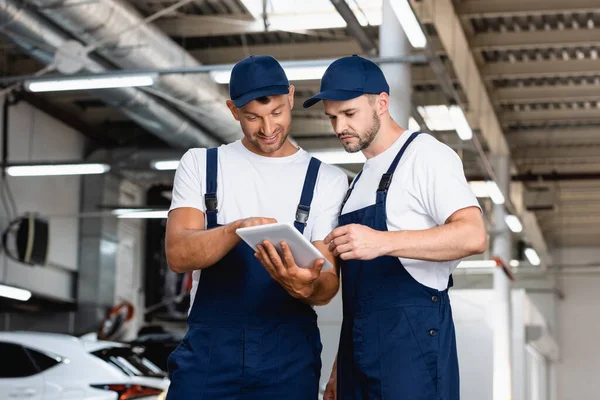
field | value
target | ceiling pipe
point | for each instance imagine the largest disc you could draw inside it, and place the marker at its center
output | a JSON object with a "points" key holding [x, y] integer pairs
{"points": [[41, 40]]}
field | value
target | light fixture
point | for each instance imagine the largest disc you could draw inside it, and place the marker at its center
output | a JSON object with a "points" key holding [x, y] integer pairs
{"points": [[222, 76], [495, 193], [461, 125], [514, 263], [338, 157], [137, 214], [436, 117], [444, 118], [409, 23], [167, 165], [413, 125], [101, 82], [291, 16], [513, 223], [57, 169], [532, 256], [12, 292], [487, 189], [477, 264]]}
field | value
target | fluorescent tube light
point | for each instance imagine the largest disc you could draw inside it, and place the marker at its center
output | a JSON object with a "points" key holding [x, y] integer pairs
{"points": [[144, 214], [101, 82], [487, 189], [514, 263], [513, 223], [409, 23], [477, 264], [532, 256], [413, 125], [167, 165], [339, 157], [461, 125], [495, 193], [14, 293], [57, 169]]}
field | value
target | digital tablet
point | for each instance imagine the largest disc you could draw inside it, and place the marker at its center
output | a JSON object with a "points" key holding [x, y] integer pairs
{"points": [[305, 254]]}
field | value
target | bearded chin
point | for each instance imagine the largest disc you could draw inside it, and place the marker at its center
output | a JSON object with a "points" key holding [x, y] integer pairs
{"points": [[365, 140]]}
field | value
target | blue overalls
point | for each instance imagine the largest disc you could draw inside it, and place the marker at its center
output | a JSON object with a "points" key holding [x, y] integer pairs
{"points": [[248, 338], [397, 340]]}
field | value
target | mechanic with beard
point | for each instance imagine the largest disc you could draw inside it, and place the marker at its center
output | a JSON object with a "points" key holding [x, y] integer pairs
{"points": [[407, 219], [252, 328]]}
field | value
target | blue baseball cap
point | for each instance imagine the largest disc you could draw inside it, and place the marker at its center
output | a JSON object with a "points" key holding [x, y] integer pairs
{"points": [[348, 78], [257, 76]]}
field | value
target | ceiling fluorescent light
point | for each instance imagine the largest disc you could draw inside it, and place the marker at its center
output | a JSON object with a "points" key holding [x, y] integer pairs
{"points": [[437, 118], [57, 169], [487, 189], [144, 214], [222, 76], [514, 263], [461, 125], [477, 264], [495, 193], [339, 157], [479, 188], [532, 256], [413, 125], [513, 223], [168, 165], [14, 293], [409, 23], [101, 82]]}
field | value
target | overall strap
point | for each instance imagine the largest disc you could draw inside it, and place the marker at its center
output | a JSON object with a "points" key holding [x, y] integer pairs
{"points": [[386, 179], [308, 190], [349, 191], [210, 198]]}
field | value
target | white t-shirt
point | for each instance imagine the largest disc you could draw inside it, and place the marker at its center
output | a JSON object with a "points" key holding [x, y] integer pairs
{"points": [[428, 186], [249, 185]]}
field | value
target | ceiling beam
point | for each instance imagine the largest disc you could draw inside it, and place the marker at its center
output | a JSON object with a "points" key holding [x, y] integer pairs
{"points": [[541, 69], [289, 51], [491, 8], [536, 39], [554, 93], [554, 136], [563, 115], [481, 113]]}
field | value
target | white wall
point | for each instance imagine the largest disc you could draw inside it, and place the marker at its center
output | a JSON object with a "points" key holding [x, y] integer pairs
{"points": [[129, 259], [471, 310], [34, 135], [579, 327]]}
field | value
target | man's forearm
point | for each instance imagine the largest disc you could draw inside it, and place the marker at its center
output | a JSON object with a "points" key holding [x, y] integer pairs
{"points": [[326, 286], [189, 250], [447, 242]]}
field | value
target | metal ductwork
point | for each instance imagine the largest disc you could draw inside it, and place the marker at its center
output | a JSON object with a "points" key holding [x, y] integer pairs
{"points": [[144, 46], [30, 31]]}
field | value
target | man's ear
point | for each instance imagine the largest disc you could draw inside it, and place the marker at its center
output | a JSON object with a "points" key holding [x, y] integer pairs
{"points": [[291, 96], [383, 103], [234, 110]]}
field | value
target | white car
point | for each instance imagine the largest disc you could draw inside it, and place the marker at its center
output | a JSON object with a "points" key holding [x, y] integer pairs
{"points": [[45, 366]]}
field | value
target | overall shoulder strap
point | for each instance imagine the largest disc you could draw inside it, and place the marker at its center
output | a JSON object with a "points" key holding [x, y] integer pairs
{"points": [[210, 198], [308, 191]]}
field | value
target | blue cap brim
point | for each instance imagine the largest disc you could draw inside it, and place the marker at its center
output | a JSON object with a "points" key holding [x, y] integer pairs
{"points": [[334, 95], [262, 92]]}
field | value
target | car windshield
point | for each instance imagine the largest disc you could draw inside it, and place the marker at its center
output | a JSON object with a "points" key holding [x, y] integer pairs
{"points": [[131, 361]]}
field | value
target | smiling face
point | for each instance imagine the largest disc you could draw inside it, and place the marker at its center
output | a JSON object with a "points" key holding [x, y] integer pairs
{"points": [[355, 122], [266, 124]]}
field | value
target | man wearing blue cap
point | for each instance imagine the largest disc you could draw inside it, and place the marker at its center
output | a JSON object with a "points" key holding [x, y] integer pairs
{"points": [[252, 329], [406, 219]]}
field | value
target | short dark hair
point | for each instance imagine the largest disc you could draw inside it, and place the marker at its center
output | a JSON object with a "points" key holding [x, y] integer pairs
{"points": [[264, 99], [372, 98]]}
